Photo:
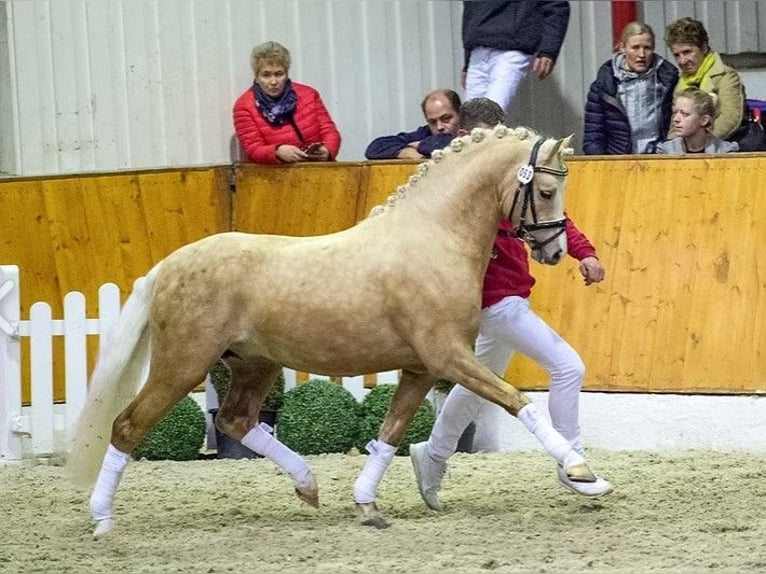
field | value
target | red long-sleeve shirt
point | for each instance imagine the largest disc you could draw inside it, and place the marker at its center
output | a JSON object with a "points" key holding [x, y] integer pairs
{"points": [[508, 271], [260, 139]]}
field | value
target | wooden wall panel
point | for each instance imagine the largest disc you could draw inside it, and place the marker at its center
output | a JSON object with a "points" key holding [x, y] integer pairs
{"points": [[380, 179], [683, 303], [76, 233], [301, 200], [681, 310]]}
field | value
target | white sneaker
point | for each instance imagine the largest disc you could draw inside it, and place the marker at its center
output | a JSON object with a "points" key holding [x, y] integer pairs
{"points": [[428, 473], [596, 488]]}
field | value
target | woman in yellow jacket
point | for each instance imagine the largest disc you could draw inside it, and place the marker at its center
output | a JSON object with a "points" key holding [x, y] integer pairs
{"points": [[703, 68]]}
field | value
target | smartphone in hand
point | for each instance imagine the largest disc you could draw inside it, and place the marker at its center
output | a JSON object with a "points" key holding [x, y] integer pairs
{"points": [[313, 149]]}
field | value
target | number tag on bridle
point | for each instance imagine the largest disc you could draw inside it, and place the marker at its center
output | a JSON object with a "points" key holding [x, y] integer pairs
{"points": [[526, 173]]}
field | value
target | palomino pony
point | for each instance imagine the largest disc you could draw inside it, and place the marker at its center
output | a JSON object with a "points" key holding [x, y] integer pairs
{"points": [[399, 290]]}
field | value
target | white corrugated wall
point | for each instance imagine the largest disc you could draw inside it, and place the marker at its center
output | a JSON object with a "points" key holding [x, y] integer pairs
{"points": [[102, 85]]}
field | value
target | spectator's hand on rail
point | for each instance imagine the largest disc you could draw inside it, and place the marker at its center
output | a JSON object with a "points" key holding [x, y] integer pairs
{"points": [[542, 66], [592, 270], [409, 152], [290, 153], [318, 153]]}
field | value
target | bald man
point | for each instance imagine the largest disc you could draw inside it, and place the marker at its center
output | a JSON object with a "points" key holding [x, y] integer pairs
{"points": [[441, 110]]}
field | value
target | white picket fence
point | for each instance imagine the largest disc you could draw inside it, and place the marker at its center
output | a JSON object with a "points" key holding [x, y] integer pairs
{"points": [[42, 427]]}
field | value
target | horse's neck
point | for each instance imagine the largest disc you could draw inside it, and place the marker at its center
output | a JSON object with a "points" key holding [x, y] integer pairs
{"points": [[454, 208]]}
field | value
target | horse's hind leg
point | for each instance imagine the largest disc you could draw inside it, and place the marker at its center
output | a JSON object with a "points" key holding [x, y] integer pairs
{"points": [[410, 393], [251, 380], [170, 379]]}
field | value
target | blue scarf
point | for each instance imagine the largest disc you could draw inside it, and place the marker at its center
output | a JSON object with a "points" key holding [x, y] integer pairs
{"points": [[276, 110]]}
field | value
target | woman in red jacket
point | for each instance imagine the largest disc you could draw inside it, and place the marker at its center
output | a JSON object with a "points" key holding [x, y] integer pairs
{"points": [[278, 120]]}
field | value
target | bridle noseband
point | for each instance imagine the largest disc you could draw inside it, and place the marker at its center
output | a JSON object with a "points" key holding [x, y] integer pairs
{"points": [[525, 176]]}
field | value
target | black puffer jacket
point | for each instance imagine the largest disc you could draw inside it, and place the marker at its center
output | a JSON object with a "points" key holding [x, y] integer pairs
{"points": [[607, 129]]}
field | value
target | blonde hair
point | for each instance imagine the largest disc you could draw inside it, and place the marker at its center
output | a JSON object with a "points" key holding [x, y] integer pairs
{"points": [[269, 53], [704, 103], [635, 29]]}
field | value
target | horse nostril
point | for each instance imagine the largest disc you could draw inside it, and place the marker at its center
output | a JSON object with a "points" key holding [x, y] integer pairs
{"points": [[556, 257]]}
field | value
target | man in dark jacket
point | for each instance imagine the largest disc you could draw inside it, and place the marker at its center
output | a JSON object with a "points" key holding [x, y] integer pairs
{"points": [[502, 39], [440, 108]]}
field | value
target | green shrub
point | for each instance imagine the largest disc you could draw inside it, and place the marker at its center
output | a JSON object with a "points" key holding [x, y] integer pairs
{"points": [[220, 378], [177, 436], [318, 417], [444, 386], [373, 410]]}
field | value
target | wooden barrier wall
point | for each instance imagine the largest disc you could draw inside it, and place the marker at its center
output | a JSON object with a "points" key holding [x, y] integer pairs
{"points": [[75, 233], [682, 308]]}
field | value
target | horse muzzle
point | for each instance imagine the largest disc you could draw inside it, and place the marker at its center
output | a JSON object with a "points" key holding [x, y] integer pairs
{"points": [[547, 240], [547, 257]]}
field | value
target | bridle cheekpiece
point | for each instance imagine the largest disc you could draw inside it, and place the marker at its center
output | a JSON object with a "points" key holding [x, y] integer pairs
{"points": [[526, 175]]}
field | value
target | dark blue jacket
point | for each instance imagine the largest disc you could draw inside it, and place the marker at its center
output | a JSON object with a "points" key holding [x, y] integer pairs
{"points": [[607, 130], [528, 26], [388, 147]]}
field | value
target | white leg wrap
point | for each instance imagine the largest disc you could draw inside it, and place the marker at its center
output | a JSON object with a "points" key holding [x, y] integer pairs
{"points": [[261, 440], [381, 455], [552, 441], [108, 480]]}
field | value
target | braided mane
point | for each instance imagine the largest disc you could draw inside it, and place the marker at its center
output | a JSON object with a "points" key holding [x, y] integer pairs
{"points": [[457, 145]]}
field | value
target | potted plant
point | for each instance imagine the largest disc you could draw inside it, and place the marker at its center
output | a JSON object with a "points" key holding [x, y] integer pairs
{"points": [[373, 410], [179, 435], [220, 379], [318, 417]]}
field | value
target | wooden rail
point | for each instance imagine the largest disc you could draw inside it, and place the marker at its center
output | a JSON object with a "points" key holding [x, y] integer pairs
{"points": [[683, 308]]}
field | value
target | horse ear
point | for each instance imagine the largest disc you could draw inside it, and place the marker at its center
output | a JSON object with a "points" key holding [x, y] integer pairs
{"points": [[561, 147], [566, 145]]}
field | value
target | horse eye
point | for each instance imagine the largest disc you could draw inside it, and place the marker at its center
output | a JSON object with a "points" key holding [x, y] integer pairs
{"points": [[546, 193]]}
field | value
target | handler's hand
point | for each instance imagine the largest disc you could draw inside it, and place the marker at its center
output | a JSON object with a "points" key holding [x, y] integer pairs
{"points": [[542, 66], [592, 270]]}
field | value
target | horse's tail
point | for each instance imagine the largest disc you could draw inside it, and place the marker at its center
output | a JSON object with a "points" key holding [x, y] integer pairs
{"points": [[120, 368]]}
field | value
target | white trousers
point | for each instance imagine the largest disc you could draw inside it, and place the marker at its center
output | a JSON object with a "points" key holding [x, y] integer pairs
{"points": [[507, 326], [496, 75]]}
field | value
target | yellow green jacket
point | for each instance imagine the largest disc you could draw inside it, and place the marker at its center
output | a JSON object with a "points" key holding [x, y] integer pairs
{"points": [[726, 84]]}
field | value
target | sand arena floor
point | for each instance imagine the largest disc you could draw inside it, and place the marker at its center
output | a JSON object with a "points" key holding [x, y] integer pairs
{"points": [[676, 512]]}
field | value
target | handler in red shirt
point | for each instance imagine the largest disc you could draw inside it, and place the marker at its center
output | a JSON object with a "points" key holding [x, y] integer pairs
{"points": [[278, 120], [508, 324]]}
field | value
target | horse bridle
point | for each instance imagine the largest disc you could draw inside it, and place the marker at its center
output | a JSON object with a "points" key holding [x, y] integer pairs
{"points": [[525, 176]]}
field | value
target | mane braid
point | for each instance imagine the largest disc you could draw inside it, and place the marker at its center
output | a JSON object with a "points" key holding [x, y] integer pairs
{"points": [[457, 145]]}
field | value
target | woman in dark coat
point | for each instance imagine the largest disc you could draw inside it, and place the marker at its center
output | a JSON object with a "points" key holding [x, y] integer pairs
{"points": [[630, 103]]}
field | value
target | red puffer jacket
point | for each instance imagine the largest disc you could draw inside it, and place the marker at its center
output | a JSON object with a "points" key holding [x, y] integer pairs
{"points": [[260, 139]]}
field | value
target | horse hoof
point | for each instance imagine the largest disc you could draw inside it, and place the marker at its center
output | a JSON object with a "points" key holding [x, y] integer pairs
{"points": [[377, 522], [103, 527], [369, 516], [308, 490], [580, 473], [309, 496]]}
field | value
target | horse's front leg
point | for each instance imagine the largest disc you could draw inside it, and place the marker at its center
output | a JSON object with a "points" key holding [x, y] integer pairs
{"points": [[465, 368], [409, 395]]}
